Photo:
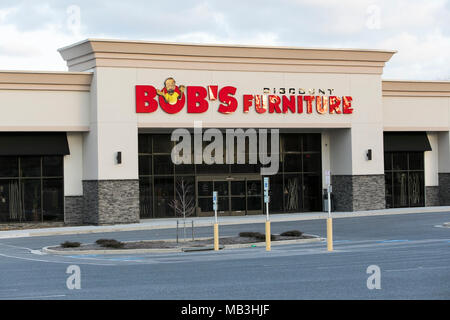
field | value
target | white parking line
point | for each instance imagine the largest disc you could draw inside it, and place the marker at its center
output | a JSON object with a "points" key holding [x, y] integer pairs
{"points": [[48, 261], [35, 297], [418, 268]]}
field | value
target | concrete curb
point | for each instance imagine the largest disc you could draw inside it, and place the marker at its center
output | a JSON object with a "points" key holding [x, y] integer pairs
{"points": [[118, 251], [48, 249], [273, 243], [154, 224]]}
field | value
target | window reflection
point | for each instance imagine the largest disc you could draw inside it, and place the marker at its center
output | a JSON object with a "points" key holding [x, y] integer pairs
{"points": [[31, 188], [299, 174], [404, 180]]}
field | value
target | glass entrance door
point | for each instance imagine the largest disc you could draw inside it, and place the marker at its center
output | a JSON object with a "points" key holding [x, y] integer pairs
{"points": [[237, 195]]}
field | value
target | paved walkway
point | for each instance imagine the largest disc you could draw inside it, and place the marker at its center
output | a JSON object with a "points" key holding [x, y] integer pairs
{"points": [[148, 224]]}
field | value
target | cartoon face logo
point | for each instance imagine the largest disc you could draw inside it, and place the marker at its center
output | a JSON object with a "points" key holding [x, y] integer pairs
{"points": [[171, 92]]}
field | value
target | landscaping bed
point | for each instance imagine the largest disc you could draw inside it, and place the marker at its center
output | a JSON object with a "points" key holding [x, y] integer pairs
{"points": [[242, 238]]}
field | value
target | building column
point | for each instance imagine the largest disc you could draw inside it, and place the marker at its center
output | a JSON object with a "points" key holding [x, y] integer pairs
{"points": [[73, 173], [358, 183], [431, 163], [110, 187]]}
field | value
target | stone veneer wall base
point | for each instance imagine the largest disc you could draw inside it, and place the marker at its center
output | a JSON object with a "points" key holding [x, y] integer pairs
{"points": [[111, 201], [432, 196], [444, 189], [73, 210], [359, 192]]}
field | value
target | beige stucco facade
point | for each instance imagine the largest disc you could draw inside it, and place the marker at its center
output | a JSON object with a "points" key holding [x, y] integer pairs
{"points": [[94, 102]]}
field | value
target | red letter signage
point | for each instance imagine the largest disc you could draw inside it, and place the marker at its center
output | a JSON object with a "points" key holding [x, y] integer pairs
{"points": [[145, 99]]}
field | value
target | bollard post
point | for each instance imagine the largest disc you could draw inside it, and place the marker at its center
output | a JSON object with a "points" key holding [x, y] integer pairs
{"points": [[216, 236], [216, 224], [268, 243], [266, 201], [329, 219], [329, 234]]}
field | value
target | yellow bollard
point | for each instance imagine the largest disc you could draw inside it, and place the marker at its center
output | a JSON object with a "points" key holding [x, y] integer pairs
{"points": [[267, 235], [330, 234], [216, 236]]}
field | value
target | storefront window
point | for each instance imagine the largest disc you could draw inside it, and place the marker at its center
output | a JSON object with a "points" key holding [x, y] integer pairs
{"points": [[181, 169], [32, 201], [291, 143], [404, 179], [276, 193], [238, 204], [302, 166], [162, 143], [254, 203], [400, 161], [416, 189], [311, 143], [238, 188], [401, 189], [312, 185], [312, 162], [293, 192], [205, 188], [415, 161], [9, 166], [292, 162], [389, 186], [52, 166], [31, 189], [53, 199], [145, 197], [205, 204], [254, 187], [10, 201], [164, 194], [145, 143], [215, 168], [162, 164], [295, 188], [221, 187], [30, 166]]}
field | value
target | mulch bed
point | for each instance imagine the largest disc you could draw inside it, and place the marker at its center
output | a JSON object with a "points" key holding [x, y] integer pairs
{"points": [[160, 244]]}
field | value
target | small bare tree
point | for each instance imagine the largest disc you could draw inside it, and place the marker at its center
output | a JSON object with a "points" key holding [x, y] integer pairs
{"points": [[184, 202]]}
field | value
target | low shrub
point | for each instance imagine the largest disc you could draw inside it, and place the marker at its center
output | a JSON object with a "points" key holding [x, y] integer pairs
{"points": [[250, 234], [69, 244], [256, 235], [292, 233], [110, 243]]}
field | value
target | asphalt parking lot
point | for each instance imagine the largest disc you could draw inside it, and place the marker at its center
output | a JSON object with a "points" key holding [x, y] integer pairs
{"points": [[411, 252]]}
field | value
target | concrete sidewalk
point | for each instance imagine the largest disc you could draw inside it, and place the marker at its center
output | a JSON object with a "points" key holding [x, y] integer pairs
{"points": [[149, 224]]}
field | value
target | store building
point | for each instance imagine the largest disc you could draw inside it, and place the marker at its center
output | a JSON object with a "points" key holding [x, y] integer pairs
{"points": [[93, 145]]}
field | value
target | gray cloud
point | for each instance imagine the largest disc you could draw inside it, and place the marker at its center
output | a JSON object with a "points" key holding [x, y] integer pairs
{"points": [[308, 23]]}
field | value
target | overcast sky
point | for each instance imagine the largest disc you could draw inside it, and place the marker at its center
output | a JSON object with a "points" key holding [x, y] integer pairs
{"points": [[32, 31]]}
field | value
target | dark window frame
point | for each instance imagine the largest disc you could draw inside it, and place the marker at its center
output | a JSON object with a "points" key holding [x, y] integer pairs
{"points": [[19, 178], [392, 171], [301, 153]]}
